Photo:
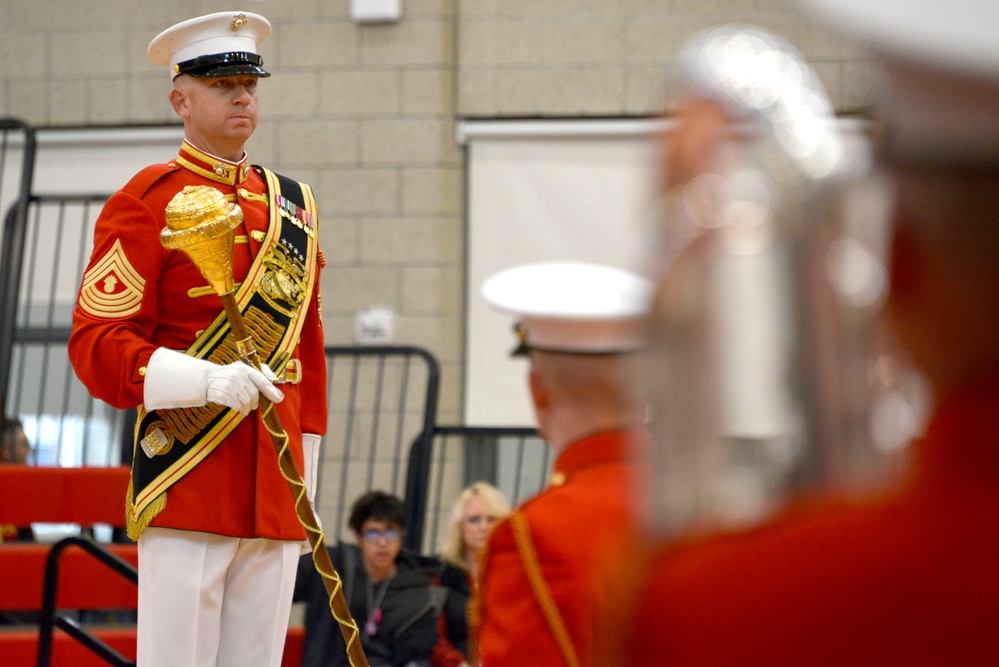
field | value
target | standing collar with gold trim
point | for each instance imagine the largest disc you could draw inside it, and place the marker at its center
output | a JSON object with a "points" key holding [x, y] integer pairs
{"points": [[212, 167], [610, 448]]}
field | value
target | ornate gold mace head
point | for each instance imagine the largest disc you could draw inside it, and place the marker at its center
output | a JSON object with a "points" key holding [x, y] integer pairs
{"points": [[202, 225]]}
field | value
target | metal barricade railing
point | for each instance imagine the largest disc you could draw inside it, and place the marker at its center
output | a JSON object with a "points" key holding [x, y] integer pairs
{"points": [[52, 618], [69, 426], [382, 405], [514, 459], [17, 140]]}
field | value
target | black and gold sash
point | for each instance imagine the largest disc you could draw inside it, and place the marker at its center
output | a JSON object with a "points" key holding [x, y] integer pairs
{"points": [[272, 299]]}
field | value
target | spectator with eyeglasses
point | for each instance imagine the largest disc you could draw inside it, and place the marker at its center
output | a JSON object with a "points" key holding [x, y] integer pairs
{"points": [[472, 516], [390, 592]]}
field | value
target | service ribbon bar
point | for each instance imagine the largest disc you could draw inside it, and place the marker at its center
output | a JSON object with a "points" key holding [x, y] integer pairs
{"points": [[292, 212]]}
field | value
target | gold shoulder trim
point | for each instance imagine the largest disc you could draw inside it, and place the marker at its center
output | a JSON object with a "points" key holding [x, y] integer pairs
{"points": [[532, 568]]}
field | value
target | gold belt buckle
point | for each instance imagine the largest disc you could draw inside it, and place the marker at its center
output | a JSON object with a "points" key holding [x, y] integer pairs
{"points": [[291, 373]]}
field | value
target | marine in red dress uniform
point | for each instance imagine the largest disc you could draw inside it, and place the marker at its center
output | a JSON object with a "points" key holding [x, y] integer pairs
{"points": [[218, 533], [539, 585], [572, 524]]}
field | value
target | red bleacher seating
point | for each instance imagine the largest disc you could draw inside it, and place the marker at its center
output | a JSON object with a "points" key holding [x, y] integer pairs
{"points": [[62, 495], [84, 583], [86, 496], [20, 648]]}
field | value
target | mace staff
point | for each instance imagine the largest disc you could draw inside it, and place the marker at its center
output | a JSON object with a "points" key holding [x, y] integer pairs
{"points": [[202, 225]]}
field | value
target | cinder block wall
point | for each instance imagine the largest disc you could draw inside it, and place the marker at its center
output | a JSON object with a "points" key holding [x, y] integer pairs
{"points": [[367, 113], [612, 57]]}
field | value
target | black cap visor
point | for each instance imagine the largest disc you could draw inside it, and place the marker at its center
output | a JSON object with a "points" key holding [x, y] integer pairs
{"points": [[232, 63], [522, 347]]}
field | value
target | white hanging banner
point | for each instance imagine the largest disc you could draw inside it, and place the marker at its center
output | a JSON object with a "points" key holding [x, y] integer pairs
{"points": [[544, 191]]}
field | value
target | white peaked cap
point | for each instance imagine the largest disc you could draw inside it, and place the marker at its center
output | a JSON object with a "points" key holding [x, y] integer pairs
{"points": [[941, 58], [572, 306], [235, 34]]}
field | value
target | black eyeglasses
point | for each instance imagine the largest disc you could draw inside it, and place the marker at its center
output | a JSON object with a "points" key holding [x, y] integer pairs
{"points": [[390, 535]]}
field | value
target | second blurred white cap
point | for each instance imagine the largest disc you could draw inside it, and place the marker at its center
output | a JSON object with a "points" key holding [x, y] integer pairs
{"points": [[941, 58]]}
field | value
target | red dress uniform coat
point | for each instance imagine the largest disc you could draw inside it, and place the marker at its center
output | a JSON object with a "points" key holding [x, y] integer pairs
{"points": [[911, 579], [582, 517], [157, 298]]}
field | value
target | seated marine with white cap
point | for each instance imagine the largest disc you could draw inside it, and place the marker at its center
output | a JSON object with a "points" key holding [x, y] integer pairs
{"points": [[582, 327], [909, 576], [217, 529]]}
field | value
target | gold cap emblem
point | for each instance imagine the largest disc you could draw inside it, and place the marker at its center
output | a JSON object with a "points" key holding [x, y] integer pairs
{"points": [[238, 21]]}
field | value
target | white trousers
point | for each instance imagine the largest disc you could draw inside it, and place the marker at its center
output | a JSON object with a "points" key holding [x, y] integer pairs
{"points": [[213, 601]]}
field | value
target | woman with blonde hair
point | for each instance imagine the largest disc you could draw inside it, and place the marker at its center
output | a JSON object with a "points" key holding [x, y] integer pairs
{"points": [[473, 514]]}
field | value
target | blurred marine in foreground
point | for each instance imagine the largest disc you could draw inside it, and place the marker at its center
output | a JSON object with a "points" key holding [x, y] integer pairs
{"points": [[907, 576]]}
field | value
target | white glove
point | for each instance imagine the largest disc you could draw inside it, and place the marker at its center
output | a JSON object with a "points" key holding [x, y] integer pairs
{"points": [[269, 374], [310, 450], [176, 380]]}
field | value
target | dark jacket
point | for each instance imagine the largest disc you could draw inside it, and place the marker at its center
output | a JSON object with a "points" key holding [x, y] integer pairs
{"points": [[459, 590], [408, 629]]}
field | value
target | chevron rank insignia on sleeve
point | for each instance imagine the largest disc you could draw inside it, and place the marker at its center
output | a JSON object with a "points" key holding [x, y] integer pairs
{"points": [[112, 288]]}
